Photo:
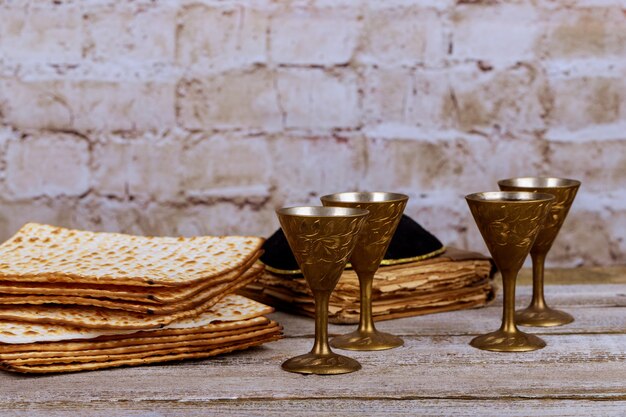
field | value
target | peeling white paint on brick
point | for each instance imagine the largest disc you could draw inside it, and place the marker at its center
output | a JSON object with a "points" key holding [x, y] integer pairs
{"points": [[204, 116], [47, 165]]}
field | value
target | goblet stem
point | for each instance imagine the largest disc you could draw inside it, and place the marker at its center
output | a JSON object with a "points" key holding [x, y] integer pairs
{"points": [[321, 360], [366, 337], [366, 320], [508, 338], [538, 300], [538, 313], [321, 347], [508, 314]]}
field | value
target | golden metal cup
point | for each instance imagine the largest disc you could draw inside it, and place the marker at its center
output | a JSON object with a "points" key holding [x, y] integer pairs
{"points": [[322, 239], [538, 313], [509, 223], [385, 211]]}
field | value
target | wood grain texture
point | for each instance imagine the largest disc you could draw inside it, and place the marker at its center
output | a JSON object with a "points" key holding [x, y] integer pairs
{"points": [[589, 367], [593, 275], [591, 320], [343, 407], [597, 309], [582, 372]]}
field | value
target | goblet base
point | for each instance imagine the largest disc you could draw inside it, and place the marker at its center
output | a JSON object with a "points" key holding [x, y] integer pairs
{"points": [[328, 364], [503, 341], [358, 340], [542, 317]]}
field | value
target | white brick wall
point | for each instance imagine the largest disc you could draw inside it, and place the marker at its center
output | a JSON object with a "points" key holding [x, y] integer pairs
{"points": [[241, 99], [40, 33], [500, 33], [196, 117], [118, 32], [315, 99], [220, 36], [314, 35], [47, 165], [87, 104], [407, 35]]}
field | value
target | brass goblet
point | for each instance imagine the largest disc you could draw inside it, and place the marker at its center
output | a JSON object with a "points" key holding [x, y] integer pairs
{"points": [[322, 239], [509, 223], [538, 313], [385, 211]]}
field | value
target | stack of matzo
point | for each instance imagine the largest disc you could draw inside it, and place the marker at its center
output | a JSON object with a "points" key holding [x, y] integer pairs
{"points": [[453, 280], [57, 285]]}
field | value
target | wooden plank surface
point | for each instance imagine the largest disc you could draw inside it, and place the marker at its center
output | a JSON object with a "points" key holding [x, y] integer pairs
{"points": [[361, 407], [597, 309], [588, 320], [589, 367], [582, 371], [587, 276]]}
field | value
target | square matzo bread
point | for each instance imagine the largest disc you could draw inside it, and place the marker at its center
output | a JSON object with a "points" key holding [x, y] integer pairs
{"points": [[231, 308], [42, 253]]}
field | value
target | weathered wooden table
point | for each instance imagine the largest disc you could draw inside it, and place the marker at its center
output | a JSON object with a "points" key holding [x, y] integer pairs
{"points": [[582, 371]]}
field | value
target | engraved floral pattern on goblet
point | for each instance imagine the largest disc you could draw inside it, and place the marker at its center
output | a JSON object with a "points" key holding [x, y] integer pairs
{"points": [[558, 213], [321, 239], [505, 227], [379, 229], [385, 211], [564, 190], [331, 241], [509, 223]]}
